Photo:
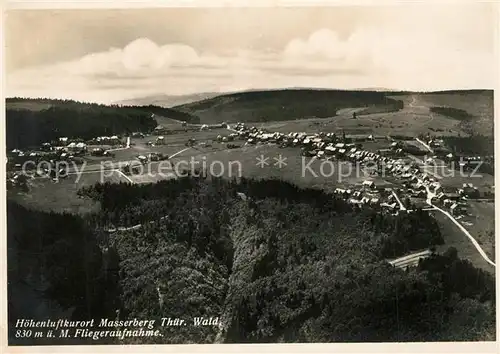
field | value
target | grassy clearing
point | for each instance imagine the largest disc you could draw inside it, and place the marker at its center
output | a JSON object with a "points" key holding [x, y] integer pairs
{"points": [[482, 225], [45, 194], [393, 123], [378, 109], [454, 237], [243, 162], [478, 104]]}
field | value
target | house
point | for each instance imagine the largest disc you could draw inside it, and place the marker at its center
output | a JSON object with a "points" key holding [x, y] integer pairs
{"points": [[471, 192], [154, 156], [451, 193], [419, 194], [63, 141], [447, 202], [365, 200], [353, 201], [159, 129], [330, 150], [368, 184], [441, 196], [97, 152], [76, 147], [374, 201], [46, 147], [388, 206], [457, 209], [340, 191]]}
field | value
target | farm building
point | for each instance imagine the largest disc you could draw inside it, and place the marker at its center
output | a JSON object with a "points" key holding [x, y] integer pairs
{"points": [[77, 147]]}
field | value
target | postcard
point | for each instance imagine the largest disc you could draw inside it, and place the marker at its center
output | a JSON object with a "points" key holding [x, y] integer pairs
{"points": [[274, 173]]}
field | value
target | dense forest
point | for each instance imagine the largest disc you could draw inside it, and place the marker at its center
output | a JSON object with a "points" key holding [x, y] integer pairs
{"points": [[278, 105], [31, 122], [276, 262], [451, 112], [476, 145]]}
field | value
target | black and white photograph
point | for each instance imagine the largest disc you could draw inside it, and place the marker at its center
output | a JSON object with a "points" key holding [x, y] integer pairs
{"points": [[250, 174]]}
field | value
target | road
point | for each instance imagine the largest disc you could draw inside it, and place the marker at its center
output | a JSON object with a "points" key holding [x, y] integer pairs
{"points": [[424, 145], [401, 206], [94, 168], [431, 195]]}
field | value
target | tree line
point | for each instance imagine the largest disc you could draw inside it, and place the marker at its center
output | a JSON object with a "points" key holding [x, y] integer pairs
{"points": [[31, 122]]}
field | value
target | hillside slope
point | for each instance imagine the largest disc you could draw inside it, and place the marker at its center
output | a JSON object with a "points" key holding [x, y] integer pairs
{"points": [[285, 265], [278, 105], [167, 100], [30, 122], [476, 106]]}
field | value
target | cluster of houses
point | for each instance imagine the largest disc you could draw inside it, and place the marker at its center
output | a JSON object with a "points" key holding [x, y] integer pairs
{"points": [[62, 149], [152, 156], [17, 180], [416, 183], [160, 140]]}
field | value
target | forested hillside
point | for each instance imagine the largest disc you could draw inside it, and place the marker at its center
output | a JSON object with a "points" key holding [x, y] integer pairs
{"points": [[276, 262], [278, 105], [30, 122]]}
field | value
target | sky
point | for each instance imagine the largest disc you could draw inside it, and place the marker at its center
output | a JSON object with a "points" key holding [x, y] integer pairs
{"points": [[108, 55]]}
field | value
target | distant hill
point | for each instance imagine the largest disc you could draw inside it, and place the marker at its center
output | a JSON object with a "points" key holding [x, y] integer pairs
{"points": [[30, 122], [277, 105], [167, 100]]}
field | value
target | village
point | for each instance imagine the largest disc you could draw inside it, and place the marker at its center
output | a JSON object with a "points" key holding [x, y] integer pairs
{"points": [[393, 163], [397, 174], [396, 179]]}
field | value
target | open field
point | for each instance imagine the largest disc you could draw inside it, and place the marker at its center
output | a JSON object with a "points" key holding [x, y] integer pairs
{"points": [[376, 145], [61, 196], [173, 143], [413, 119], [302, 171], [477, 103], [405, 123], [481, 224]]}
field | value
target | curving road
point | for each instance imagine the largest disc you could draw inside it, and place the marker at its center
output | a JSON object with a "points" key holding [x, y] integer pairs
{"points": [[431, 195]]}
